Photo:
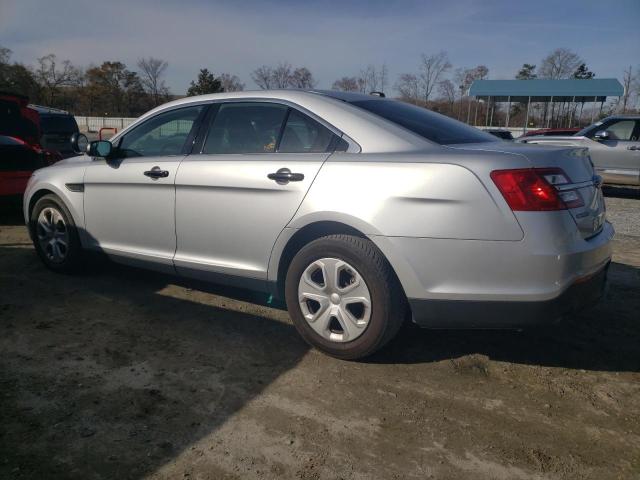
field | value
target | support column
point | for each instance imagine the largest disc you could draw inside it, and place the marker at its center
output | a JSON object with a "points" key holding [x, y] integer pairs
{"points": [[571, 116], [580, 114], [475, 115], [593, 110], [486, 120], [526, 117], [550, 117], [469, 110], [508, 110]]}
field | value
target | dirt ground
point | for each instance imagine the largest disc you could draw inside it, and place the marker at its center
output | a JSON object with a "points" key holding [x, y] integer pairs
{"points": [[120, 373]]}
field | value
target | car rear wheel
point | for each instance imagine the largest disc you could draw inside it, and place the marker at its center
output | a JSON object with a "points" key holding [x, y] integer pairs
{"points": [[343, 296], [54, 234]]}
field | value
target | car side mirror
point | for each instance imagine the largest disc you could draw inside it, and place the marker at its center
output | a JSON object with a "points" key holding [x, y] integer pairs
{"points": [[601, 135], [100, 148], [79, 142]]}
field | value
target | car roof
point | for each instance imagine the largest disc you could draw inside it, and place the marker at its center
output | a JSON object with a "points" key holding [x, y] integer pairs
{"points": [[370, 132], [620, 116], [48, 110]]}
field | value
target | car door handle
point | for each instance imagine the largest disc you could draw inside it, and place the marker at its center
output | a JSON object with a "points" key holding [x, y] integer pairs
{"points": [[284, 176], [633, 147], [155, 172]]}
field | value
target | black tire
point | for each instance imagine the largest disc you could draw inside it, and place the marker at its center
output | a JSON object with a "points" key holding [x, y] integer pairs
{"points": [[73, 256], [388, 302]]}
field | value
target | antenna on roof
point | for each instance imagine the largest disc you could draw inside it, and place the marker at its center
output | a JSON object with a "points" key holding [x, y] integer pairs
{"points": [[377, 94]]}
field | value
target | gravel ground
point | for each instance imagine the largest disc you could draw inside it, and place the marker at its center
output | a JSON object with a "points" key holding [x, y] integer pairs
{"points": [[125, 374]]}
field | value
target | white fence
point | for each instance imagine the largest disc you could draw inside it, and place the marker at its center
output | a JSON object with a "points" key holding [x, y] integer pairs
{"points": [[94, 124]]}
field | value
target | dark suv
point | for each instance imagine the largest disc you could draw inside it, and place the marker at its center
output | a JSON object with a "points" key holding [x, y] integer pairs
{"points": [[57, 126]]}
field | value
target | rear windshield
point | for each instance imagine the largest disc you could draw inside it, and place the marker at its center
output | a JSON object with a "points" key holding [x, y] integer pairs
{"points": [[58, 123], [430, 125]]}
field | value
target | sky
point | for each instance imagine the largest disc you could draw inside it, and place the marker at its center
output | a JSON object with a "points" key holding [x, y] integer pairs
{"points": [[332, 38]]}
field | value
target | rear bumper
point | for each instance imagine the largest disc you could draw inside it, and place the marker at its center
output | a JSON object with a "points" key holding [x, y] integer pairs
{"points": [[583, 293]]}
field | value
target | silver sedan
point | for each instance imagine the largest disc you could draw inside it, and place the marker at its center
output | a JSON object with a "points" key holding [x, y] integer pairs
{"points": [[613, 143], [358, 211]]}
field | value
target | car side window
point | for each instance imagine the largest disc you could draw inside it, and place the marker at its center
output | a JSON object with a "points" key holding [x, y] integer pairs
{"points": [[304, 135], [621, 130], [245, 127], [162, 135]]}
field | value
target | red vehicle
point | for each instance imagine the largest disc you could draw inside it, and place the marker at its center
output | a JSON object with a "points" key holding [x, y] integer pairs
{"points": [[18, 160], [20, 149], [551, 132]]}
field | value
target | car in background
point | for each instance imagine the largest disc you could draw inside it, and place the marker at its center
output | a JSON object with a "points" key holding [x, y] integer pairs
{"points": [[18, 119], [500, 133], [57, 127], [613, 143], [550, 132], [18, 160], [356, 211]]}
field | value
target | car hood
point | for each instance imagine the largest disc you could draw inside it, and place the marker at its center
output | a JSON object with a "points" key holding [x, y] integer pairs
{"points": [[77, 160]]}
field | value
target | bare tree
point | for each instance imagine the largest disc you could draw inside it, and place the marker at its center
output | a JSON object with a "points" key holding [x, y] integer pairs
{"points": [[368, 80], [373, 79], [302, 78], [51, 76], [447, 90], [628, 83], [383, 75], [231, 83], [464, 77], [151, 72], [561, 63], [281, 76], [346, 84], [408, 86], [432, 67], [263, 76]]}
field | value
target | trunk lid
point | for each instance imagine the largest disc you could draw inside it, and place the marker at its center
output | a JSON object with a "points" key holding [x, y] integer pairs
{"points": [[577, 165]]}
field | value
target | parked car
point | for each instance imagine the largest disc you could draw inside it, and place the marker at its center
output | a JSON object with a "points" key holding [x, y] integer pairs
{"points": [[17, 119], [614, 147], [550, 132], [57, 127], [500, 133], [358, 211], [18, 160]]}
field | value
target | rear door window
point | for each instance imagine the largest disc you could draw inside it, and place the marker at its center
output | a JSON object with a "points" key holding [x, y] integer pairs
{"points": [[245, 127], [303, 134], [58, 124]]}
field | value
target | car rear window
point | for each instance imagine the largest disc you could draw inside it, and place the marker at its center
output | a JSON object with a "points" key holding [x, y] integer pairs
{"points": [[430, 125], [58, 123]]}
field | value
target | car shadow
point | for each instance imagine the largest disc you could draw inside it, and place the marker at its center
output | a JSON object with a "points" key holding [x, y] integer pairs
{"points": [[603, 338], [112, 374], [621, 191]]}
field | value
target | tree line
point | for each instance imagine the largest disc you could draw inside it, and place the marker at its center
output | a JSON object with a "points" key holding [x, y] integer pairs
{"points": [[114, 89]]}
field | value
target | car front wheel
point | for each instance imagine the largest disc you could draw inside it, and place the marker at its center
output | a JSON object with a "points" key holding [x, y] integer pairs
{"points": [[343, 296], [54, 234]]}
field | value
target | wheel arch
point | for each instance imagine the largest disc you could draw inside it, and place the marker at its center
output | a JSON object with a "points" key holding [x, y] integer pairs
{"points": [[48, 189], [298, 238]]}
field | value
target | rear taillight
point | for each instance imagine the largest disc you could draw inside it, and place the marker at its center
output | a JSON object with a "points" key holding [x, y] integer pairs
{"points": [[534, 189]]}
